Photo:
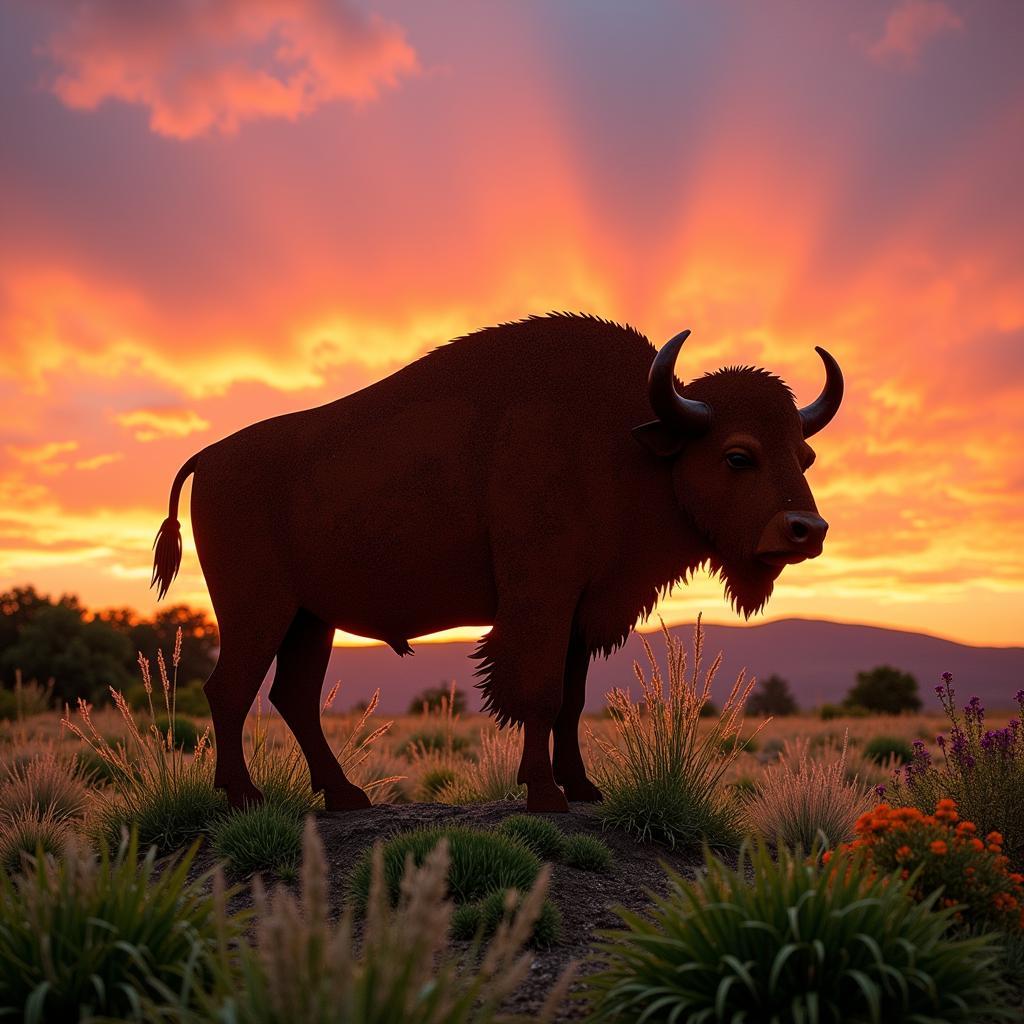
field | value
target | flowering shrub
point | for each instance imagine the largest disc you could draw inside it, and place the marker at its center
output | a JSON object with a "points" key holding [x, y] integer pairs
{"points": [[940, 850], [981, 769]]}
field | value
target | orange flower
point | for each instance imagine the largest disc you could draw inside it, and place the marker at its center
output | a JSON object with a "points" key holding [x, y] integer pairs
{"points": [[938, 847], [904, 874], [994, 838], [946, 804], [904, 853], [827, 855], [976, 844], [966, 827]]}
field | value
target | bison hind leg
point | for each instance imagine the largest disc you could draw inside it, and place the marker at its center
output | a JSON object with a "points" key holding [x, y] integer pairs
{"points": [[301, 664], [401, 647]]}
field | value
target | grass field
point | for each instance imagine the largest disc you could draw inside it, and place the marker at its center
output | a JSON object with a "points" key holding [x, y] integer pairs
{"points": [[119, 856]]}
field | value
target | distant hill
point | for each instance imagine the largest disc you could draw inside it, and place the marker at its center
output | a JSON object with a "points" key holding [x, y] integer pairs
{"points": [[820, 660]]}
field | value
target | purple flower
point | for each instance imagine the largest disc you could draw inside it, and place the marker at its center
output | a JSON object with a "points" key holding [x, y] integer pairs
{"points": [[974, 710], [947, 678], [1019, 696], [941, 740], [939, 690], [880, 790]]}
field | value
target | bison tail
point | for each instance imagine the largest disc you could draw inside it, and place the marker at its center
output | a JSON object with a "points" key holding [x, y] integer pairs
{"points": [[167, 546]]}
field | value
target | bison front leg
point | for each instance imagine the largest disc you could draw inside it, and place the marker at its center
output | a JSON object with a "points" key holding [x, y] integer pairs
{"points": [[569, 769], [523, 662]]}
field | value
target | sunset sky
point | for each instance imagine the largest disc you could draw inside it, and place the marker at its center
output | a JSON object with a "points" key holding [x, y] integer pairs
{"points": [[214, 212]]}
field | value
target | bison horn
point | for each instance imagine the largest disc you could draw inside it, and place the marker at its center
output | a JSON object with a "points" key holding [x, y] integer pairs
{"points": [[820, 412], [682, 415]]}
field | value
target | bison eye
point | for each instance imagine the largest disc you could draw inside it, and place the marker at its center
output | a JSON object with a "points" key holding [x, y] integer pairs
{"points": [[738, 459]]}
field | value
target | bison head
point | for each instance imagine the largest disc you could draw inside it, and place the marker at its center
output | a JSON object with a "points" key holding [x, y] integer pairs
{"points": [[739, 447]]}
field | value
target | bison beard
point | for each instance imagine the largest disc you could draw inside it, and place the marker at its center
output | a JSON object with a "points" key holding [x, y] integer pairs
{"points": [[497, 479]]}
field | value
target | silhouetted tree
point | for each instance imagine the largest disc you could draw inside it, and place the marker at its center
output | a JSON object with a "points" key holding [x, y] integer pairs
{"points": [[434, 695], [198, 638], [772, 697], [884, 690], [82, 657], [18, 606]]}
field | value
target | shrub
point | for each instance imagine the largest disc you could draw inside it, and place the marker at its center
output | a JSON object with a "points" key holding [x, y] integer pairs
{"points": [[981, 769], [787, 941], [828, 712], [439, 700], [882, 748], [943, 852], [44, 785], [435, 742], [185, 733], [434, 781], [261, 838], [772, 699], [301, 966], [493, 777], [479, 863], [662, 778], [804, 803], [191, 700], [25, 699], [884, 690], [498, 907], [30, 834], [82, 938], [587, 853], [537, 834]]}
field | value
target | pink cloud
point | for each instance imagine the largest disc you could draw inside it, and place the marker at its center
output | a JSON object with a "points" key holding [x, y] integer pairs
{"points": [[909, 26], [201, 67]]}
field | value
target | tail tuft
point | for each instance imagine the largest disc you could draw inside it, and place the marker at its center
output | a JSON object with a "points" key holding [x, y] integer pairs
{"points": [[167, 559]]}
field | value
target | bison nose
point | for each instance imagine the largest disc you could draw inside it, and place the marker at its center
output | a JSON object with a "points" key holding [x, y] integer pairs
{"points": [[806, 532]]}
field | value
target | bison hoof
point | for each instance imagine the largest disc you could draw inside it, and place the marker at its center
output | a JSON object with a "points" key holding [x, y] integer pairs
{"points": [[584, 791], [546, 800], [350, 799], [242, 795]]}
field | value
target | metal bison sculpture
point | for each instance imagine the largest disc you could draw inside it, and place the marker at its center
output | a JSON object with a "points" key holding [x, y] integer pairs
{"points": [[513, 476]]}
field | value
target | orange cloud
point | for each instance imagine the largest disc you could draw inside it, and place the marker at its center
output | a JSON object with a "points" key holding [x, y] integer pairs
{"points": [[39, 453], [911, 24], [154, 424], [209, 67]]}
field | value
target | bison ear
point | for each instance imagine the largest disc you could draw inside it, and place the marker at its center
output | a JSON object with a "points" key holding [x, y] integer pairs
{"points": [[659, 439]]}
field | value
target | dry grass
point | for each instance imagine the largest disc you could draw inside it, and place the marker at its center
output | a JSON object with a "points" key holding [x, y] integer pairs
{"points": [[804, 802], [663, 771]]}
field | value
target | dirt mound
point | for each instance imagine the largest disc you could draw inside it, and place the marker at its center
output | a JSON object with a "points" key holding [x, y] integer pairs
{"points": [[585, 899]]}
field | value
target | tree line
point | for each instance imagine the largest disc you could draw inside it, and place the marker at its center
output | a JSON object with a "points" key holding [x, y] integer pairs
{"points": [[83, 653]]}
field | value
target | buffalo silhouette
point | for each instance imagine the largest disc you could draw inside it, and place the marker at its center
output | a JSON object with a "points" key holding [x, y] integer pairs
{"points": [[498, 479]]}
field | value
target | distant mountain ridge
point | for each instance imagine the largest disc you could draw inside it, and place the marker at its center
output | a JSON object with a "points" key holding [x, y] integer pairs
{"points": [[820, 660]]}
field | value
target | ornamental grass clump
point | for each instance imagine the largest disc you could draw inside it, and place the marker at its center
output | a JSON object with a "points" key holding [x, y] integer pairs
{"points": [[940, 851], [536, 834], [478, 864], [981, 769], [261, 838], [85, 938], [788, 940], [494, 775], [662, 773], [302, 966], [804, 803], [156, 786]]}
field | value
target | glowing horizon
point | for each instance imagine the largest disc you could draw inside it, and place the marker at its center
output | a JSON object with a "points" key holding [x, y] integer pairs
{"points": [[211, 220]]}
